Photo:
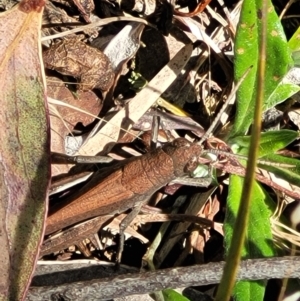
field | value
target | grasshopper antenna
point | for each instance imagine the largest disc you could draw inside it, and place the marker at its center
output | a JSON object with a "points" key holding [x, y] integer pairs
{"points": [[226, 103], [242, 157]]}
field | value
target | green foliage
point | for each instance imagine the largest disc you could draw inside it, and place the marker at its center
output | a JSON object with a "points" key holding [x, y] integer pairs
{"points": [[259, 241], [294, 44], [171, 295], [289, 173], [270, 142], [247, 54], [259, 236], [137, 81]]}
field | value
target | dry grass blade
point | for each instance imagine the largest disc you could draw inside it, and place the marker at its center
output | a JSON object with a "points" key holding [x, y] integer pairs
{"points": [[93, 25]]}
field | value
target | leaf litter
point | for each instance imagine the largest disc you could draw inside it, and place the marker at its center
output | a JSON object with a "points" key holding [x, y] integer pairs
{"points": [[125, 51], [75, 58]]}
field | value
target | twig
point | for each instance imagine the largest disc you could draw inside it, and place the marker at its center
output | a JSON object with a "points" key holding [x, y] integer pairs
{"points": [[131, 284]]}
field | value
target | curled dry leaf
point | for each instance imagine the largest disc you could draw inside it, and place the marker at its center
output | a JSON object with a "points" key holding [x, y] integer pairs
{"points": [[75, 58], [124, 45]]}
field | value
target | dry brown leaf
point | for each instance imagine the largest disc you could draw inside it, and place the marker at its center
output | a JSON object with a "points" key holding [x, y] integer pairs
{"points": [[88, 64], [67, 117]]}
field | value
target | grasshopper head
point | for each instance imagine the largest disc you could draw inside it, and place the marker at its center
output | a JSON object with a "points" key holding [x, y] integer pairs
{"points": [[184, 155]]}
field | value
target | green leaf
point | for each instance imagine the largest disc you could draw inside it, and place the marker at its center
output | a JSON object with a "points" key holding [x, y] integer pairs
{"points": [[247, 54], [289, 174], [24, 148], [294, 44], [249, 290], [259, 242], [282, 92], [137, 81], [171, 295], [270, 142]]}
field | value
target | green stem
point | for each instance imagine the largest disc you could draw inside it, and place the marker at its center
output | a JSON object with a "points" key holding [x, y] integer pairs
{"points": [[239, 232]]}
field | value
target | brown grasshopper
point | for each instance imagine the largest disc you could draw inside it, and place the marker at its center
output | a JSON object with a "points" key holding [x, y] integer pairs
{"points": [[129, 184]]}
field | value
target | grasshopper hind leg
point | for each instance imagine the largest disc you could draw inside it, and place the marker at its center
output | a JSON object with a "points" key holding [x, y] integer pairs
{"points": [[123, 226]]}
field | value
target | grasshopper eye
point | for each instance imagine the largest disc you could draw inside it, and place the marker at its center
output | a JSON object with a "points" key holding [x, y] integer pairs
{"points": [[191, 165]]}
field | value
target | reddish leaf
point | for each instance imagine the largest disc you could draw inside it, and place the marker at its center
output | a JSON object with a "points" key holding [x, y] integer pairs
{"points": [[24, 147]]}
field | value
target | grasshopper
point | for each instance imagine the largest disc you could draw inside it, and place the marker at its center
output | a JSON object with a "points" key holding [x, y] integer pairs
{"points": [[129, 184]]}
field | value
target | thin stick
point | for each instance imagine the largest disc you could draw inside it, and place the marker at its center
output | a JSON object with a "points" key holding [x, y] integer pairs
{"points": [[81, 287]]}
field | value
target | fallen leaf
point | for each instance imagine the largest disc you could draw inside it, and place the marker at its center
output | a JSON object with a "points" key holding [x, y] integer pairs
{"points": [[124, 45], [75, 58], [68, 116], [24, 147]]}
